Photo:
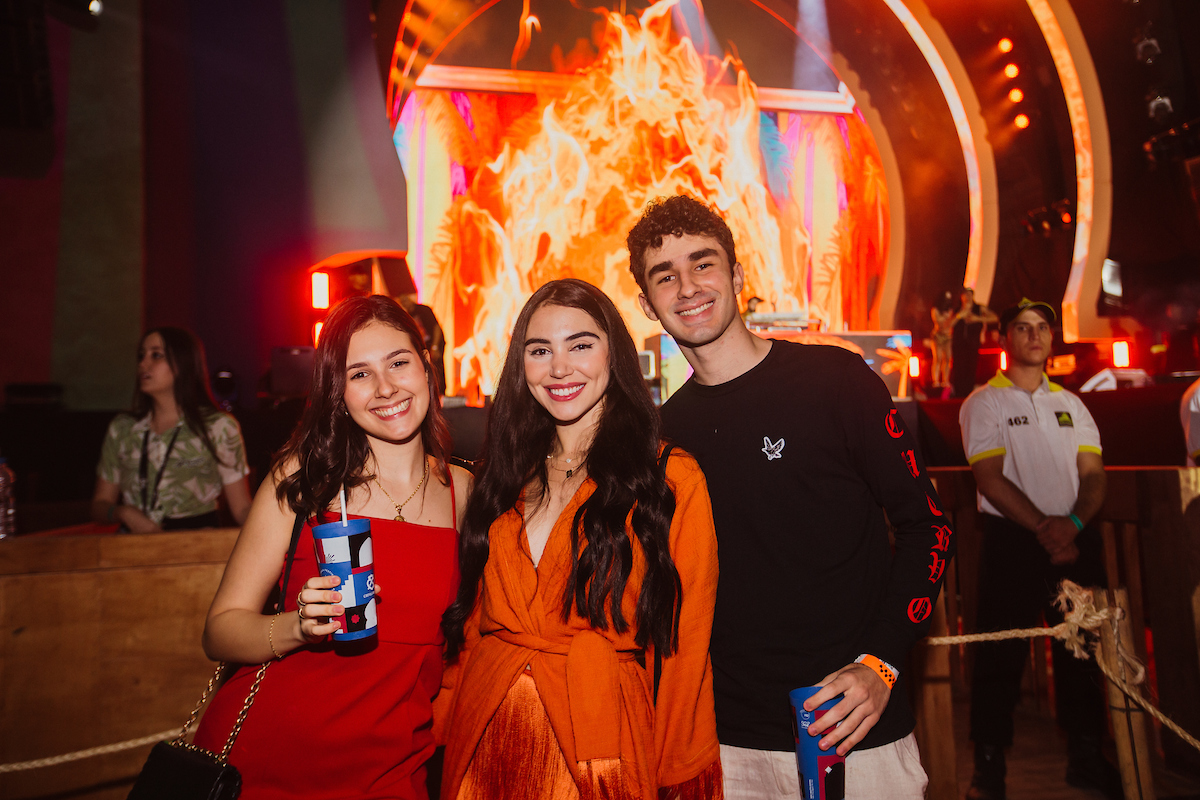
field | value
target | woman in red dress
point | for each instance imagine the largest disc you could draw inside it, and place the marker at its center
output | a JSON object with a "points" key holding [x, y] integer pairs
{"points": [[347, 719]]}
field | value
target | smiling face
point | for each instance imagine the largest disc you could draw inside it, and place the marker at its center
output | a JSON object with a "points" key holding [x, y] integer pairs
{"points": [[387, 393], [691, 289], [566, 363], [155, 375], [1028, 338]]}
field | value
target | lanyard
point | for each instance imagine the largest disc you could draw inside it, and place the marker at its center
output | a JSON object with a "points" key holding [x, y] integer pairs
{"points": [[143, 468]]}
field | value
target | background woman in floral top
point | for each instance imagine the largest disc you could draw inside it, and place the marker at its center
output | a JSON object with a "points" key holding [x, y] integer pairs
{"points": [[164, 464]]}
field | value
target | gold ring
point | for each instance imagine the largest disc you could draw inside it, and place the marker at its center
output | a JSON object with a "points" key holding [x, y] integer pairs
{"points": [[300, 603]]}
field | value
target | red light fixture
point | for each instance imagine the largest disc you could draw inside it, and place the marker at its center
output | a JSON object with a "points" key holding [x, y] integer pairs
{"points": [[1120, 354], [1011, 71], [1003, 360], [317, 332], [914, 366], [1016, 95], [1005, 45], [1021, 121], [320, 290]]}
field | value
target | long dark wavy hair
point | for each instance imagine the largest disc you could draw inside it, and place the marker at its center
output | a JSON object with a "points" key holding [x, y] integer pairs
{"points": [[193, 396], [329, 446], [622, 460]]}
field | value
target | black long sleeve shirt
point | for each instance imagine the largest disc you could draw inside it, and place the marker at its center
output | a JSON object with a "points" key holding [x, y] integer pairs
{"points": [[803, 455]]}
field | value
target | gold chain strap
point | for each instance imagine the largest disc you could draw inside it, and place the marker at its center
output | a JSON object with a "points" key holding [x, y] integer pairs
{"points": [[223, 756], [237, 726]]}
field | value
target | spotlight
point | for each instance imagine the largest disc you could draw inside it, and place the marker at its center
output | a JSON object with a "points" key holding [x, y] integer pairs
{"points": [[1159, 107], [1062, 209], [914, 367], [1147, 49], [1012, 71], [1021, 121], [1016, 95], [81, 14], [1005, 45], [1003, 360], [317, 332]]}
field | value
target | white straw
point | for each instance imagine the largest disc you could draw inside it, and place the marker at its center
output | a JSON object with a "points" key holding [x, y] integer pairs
{"points": [[342, 498]]}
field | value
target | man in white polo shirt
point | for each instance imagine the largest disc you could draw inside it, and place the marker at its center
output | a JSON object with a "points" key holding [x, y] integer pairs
{"points": [[1035, 453]]}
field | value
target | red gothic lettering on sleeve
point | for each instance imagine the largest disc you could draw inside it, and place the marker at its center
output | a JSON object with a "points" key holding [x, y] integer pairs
{"points": [[943, 534], [936, 568], [910, 461], [919, 609], [932, 508], [893, 428]]}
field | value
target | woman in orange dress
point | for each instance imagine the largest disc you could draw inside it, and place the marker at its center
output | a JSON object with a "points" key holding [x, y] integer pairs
{"points": [[578, 646]]}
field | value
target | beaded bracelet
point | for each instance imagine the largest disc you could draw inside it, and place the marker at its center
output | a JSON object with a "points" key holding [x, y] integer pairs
{"points": [[881, 668]]}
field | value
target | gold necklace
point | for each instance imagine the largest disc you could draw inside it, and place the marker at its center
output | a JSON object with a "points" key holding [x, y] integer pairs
{"points": [[399, 513], [570, 470]]}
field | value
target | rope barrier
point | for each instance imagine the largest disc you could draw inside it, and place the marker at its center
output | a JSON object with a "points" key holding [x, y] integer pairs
{"points": [[79, 755], [1080, 617]]}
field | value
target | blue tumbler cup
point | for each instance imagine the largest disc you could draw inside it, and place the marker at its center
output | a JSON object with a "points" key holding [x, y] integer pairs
{"points": [[822, 772], [344, 550]]}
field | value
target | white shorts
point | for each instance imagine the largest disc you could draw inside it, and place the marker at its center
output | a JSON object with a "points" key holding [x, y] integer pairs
{"points": [[893, 771]]}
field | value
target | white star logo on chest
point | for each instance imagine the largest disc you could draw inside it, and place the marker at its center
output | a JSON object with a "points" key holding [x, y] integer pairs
{"points": [[773, 450]]}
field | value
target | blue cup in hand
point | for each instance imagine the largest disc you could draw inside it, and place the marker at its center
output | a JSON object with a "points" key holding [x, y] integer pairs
{"points": [[822, 772], [344, 550]]}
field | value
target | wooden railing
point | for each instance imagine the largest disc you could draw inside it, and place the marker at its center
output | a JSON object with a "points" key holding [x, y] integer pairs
{"points": [[100, 643]]}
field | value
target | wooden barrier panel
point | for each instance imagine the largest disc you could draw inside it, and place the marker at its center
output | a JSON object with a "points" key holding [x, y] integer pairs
{"points": [[100, 643]]}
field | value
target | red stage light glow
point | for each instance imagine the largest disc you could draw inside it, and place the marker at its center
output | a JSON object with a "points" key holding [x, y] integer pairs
{"points": [[1021, 121], [317, 332], [1005, 45], [914, 367], [1120, 354], [1003, 360], [1011, 70], [320, 290], [1016, 95]]}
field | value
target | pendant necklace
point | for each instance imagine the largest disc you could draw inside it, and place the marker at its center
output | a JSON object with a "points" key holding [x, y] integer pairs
{"points": [[399, 506], [570, 470]]}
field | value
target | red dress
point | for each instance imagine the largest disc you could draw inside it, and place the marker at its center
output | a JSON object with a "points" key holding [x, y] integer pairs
{"points": [[352, 719]]}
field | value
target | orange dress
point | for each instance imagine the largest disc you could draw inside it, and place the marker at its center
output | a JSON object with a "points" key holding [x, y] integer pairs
{"points": [[539, 707]]}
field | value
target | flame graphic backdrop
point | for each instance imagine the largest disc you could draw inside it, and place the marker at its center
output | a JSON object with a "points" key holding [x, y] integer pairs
{"points": [[510, 190]]}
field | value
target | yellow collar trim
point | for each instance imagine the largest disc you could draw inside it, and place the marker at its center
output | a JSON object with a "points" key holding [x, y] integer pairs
{"points": [[1001, 381]]}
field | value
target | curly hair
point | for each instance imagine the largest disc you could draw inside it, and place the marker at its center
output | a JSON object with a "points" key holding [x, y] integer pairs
{"points": [[622, 460], [674, 216]]}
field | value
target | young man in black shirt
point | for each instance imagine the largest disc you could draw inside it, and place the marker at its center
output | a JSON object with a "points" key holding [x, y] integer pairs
{"points": [[804, 454]]}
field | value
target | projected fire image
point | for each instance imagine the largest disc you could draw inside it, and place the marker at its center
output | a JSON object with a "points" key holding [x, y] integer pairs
{"points": [[542, 178]]}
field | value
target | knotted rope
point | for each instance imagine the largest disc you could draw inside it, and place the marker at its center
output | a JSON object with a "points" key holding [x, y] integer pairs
{"points": [[1081, 618]]}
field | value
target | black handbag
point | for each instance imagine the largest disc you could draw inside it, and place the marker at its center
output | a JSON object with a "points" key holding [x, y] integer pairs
{"points": [[179, 770]]}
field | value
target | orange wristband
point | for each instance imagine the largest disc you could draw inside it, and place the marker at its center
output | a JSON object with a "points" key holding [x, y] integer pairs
{"points": [[881, 667]]}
